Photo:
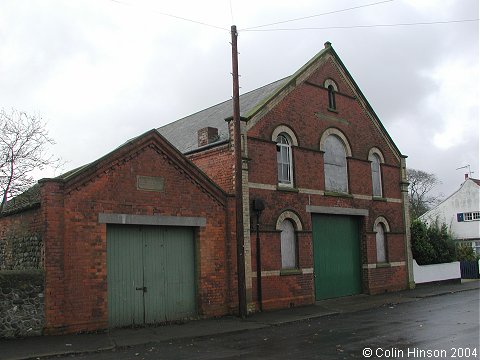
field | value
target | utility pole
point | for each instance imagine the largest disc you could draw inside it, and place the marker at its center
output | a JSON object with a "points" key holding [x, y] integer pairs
{"points": [[242, 298]]}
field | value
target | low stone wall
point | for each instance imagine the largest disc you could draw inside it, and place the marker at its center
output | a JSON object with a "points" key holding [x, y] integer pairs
{"points": [[21, 303]]}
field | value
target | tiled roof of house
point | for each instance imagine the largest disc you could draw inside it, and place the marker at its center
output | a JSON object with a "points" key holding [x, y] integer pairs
{"points": [[26, 200], [183, 133]]}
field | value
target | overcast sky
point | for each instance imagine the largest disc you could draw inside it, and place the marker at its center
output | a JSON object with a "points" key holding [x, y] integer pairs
{"points": [[103, 71]]}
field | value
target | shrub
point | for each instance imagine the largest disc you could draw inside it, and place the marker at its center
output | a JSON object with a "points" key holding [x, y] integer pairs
{"points": [[431, 244], [465, 253]]}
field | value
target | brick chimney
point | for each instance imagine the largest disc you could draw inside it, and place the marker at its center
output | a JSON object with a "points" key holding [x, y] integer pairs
{"points": [[207, 136]]}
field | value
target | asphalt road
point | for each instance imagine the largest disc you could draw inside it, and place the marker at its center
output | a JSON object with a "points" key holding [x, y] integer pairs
{"points": [[441, 327]]}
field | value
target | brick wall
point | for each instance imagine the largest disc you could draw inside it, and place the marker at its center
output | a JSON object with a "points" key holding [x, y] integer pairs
{"points": [[219, 164], [304, 111], [76, 285]]}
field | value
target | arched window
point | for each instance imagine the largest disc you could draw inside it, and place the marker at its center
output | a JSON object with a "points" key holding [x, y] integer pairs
{"points": [[381, 229], [288, 245], [287, 223], [376, 174], [335, 164], [284, 160], [332, 88], [380, 242], [331, 97]]}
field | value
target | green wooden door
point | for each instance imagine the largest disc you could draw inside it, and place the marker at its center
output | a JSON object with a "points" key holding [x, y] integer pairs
{"points": [[151, 274], [169, 274], [124, 276], [336, 247]]}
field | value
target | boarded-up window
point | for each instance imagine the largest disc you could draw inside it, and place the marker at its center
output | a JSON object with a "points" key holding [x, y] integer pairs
{"points": [[288, 245], [376, 175], [335, 165], [381, 248]]}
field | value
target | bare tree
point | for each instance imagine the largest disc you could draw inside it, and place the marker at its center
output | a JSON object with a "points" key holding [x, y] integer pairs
{"points": [[24, 142], [419, 191]]}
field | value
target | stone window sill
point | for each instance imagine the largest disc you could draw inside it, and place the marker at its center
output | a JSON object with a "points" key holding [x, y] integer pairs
{"points": [[338, 194], [286, 272], [287, 188]]}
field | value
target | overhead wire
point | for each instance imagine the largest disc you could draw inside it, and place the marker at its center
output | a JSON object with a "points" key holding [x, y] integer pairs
{"points": [[364, 26], [259, 27], [317, 15], [175, 16]]}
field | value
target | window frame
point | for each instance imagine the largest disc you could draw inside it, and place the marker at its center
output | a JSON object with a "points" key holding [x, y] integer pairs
{"points": [[294, 220], [471, 216], [347, 152], [288, 252], [381, 250], [381, 221], [332, 88], [375, 153], [331, 98], [287, 147]]}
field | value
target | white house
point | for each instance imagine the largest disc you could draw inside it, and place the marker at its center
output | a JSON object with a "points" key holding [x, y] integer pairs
{"points": [[460, 211]]}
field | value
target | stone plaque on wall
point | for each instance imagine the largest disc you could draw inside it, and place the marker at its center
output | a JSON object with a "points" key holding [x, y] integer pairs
{"points": [[150, 183]]}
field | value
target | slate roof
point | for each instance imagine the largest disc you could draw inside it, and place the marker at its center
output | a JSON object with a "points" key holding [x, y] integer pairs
{"points": [[26, 200], [183, 133]]}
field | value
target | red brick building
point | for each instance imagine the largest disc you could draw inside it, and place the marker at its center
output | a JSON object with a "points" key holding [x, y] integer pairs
{"points": [[331, 178], [147, 233], [138, 236]]}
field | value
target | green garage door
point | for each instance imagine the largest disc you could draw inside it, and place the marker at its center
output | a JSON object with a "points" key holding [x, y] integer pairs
{"points": [[151, 274], [336, 250]]}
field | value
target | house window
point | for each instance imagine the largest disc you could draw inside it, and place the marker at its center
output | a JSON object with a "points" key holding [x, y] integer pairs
{"points": [[284, 160], [468, 216], [331, 97], [288, 245], [332, 88], [376, 175], [335, 164], [380, 241]]}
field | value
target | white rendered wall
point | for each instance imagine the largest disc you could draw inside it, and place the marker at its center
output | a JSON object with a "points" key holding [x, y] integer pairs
{"points": [[436, 272], [466, 199]]}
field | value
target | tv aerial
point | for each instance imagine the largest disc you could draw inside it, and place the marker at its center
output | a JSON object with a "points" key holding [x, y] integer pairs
{"points": [[470, 172]]}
